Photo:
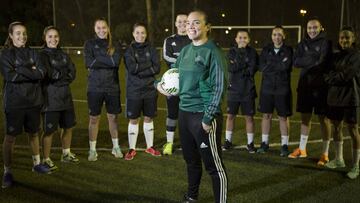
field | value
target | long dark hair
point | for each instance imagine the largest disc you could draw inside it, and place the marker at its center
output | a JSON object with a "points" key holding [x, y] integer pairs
{"points": [[46, 29], [9, 42], [110, 48]]}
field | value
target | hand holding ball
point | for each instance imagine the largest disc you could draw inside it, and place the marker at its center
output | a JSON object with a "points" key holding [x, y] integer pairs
{"points": [[169, 84]]}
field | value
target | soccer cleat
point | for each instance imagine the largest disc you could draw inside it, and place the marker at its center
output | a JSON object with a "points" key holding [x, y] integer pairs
{"points": [[70, 158], [323, 160], [251, 148], [284, 151], [92, 155], [152, 151], [187, 199], [263, 148], [336, 163], [353, 173], [168, 148], [41, 168], [130, 155], [298, 153], [117, 152], [50, 164], [8, 180], [227, 145]]}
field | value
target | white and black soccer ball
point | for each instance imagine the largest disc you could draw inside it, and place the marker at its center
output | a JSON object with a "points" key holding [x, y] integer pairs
{"points": [[170, 81]]}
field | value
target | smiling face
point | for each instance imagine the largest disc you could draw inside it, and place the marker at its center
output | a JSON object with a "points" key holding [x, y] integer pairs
{"points": [[101, 29], [180, 24], [197, 28], [242, 39], [18, 36], [346, 39], [52, 38], [139, 34], [277, 37], [313, 28]]}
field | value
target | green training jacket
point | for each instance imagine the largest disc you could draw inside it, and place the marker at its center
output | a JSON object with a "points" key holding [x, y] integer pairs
{"points": [[202, 79]]}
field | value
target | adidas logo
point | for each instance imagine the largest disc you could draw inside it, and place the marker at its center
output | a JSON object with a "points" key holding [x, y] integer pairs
{"points": [[203, 146]]}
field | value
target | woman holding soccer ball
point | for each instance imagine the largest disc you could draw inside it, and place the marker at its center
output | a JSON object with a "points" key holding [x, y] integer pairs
{"points": [[142, 64], [201, 68]]}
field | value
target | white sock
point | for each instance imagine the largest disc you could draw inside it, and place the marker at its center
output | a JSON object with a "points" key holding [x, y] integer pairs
{"points": [[356, 157], [66, 151], [92, 145], [228, 135], [170, 136], [339, 150], [325, 149], [133, 131], [36, 159], [265, 138], [303, 141], [149, 133], [115, 142], [7, 169], [250, 137], [284, 140]]}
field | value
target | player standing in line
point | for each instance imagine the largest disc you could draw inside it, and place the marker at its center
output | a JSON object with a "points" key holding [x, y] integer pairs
{"points": [[275, 93], [202, 81], [102, 59], [172, 48], [313, 56], [142, 64], [343, 99], [241, 92], [58, 105], [22, 72]]}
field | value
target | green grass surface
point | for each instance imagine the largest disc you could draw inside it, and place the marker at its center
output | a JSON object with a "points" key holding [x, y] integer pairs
{"points": [[252, 177]]}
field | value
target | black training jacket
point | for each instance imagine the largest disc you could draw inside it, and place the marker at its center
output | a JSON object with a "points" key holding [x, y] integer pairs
{"points": [[313, 56], [103, 68], [344, 79], [242, 68], [22, 71], [172, 47], [60, 73], [276, 70], [142, 64]]}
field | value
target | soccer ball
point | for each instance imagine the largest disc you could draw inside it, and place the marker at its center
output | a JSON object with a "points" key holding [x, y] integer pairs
{"points": [[170, 81]]}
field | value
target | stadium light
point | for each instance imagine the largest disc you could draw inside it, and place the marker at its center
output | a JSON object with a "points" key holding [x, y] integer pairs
{"points": [[303, 12], [223, 15], [78, 52], [166, 30], [226, 31]]}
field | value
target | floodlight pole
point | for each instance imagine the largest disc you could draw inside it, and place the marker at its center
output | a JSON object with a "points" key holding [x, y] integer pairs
{"points": [[172, 16], [249, 10], [342, 13], [109, 16], [54, 14]]}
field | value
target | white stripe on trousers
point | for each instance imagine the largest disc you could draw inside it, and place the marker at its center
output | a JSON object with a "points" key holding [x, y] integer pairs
{"points": [[217, 161]]}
